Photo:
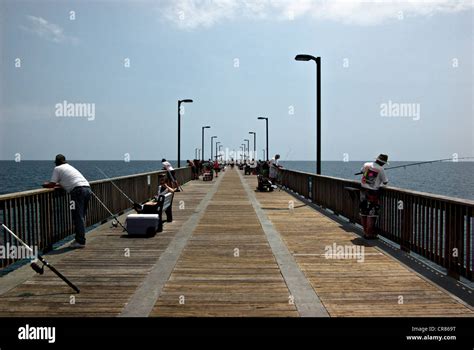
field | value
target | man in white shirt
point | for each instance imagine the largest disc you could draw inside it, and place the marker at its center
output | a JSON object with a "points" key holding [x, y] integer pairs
{"points": [[69, 178], [373, 177], [171, 173], [273, 168]]}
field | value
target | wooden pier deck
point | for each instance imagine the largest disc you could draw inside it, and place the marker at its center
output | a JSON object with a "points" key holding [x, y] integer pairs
{"points": [[230, 251]]}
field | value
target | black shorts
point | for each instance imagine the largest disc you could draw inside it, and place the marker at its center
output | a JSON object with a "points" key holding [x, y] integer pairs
{"points": [[369, 202], [171, 175]]}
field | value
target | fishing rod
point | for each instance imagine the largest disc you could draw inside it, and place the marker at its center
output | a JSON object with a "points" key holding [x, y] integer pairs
{"points": [[112, 214], [40, 269], [135, 204], [174, 181], [419, 163]]}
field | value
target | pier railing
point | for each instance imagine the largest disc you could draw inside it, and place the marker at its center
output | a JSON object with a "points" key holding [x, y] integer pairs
{"points": [[436, 227], [43, 217]]}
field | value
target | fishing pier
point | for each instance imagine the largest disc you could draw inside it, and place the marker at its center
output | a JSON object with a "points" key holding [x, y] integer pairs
{"points": [[233, 251]]}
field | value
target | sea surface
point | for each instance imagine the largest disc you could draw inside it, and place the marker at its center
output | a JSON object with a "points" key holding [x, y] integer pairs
{"points": [[455, 179]]}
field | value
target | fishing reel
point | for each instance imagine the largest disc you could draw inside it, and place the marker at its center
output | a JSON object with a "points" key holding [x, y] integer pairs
{"points": [[114, 223], [38, 269]]}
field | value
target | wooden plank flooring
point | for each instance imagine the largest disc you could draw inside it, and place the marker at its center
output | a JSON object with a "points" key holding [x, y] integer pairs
{"points": [[106, 277], [378, 286], [211, 280]]}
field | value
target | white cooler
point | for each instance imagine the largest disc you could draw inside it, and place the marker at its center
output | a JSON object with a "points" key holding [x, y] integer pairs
{"points": [[142, 224]]}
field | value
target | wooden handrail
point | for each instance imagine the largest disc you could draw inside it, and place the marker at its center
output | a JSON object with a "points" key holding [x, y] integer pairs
{"points": [[42, 217]]}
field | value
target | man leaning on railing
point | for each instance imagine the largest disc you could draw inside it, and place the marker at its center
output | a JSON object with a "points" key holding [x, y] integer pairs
{"points": [[69, 178]]}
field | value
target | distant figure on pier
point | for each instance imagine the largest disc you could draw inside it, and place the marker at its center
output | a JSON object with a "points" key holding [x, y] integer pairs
{"points": [[373, 177], [78, 187], [253, 167], [193, 169], [171, 174], [217, 167], [273, 168]]}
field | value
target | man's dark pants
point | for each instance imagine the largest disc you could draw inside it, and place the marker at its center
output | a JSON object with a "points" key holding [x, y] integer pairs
{"points": [[81, 197]]}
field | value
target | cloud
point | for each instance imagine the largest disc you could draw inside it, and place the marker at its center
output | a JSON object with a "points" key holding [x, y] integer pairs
{"points": [[47, 30], [190, 14]]}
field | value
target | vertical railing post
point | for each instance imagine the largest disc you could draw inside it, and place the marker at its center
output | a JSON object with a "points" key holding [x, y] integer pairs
{"points": [[406, 223], [453, 244]]}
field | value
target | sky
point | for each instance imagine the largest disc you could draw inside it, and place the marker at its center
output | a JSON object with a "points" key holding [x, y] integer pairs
{"points": [[396, 78]]}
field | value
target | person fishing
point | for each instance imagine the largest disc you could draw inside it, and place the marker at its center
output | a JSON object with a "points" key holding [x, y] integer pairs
{"points": [[171, 173], [273, 168], [193, 168], [373, 178], [70, 179]]}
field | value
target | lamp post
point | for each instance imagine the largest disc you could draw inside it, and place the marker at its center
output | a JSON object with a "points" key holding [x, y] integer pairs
{"points": [[318, 106], [195, 153], [212, 144], [217, 143], [202, 141], [254, 143], [248, 148], [179, 128], [266, 124], [263, 154]]}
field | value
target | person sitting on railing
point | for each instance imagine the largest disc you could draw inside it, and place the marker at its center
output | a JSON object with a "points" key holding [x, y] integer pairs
{"points": [[373, 177], [69, 178]]}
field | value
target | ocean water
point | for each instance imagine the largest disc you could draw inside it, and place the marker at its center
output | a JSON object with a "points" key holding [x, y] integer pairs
{"points": [[447, 178], [454, 179]]}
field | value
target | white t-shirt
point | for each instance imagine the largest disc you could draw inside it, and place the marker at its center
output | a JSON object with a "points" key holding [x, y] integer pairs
{"points": [[68, 177], [373, 176], [273, 168], [167, 166]]}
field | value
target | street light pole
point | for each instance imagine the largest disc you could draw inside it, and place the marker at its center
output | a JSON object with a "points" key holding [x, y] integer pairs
{"points": [[318, 106], [212, 144], [266, 125], [254, 144], [217, 143], [179, 128], [248, 148], [202, 141]]}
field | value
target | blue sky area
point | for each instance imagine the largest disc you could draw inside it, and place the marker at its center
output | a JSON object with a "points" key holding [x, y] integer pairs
{"points": [[236, 60]]}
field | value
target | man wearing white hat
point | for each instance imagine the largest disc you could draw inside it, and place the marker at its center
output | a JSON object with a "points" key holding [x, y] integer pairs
{"points": [[373, 177]]}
